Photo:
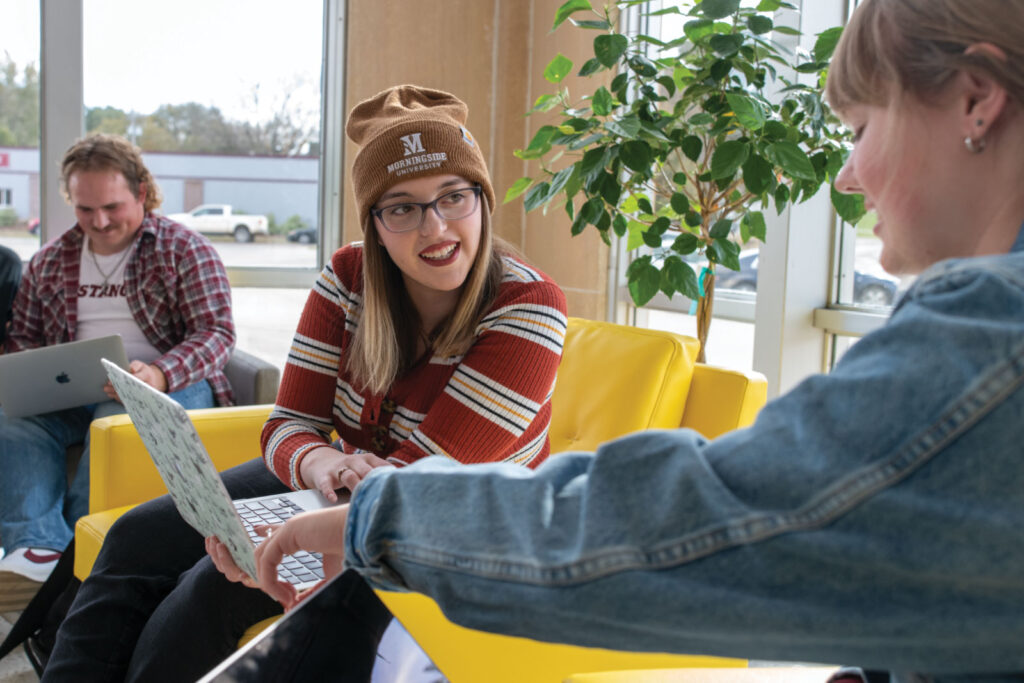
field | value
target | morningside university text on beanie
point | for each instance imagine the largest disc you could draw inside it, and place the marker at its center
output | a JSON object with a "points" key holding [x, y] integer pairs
{"points": [[408, 132]]}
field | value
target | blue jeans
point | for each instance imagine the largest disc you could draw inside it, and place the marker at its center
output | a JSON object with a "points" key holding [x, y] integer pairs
{"points": [[37, 507]]}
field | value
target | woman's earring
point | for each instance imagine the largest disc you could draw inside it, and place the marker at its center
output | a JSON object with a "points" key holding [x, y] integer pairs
{"points": [[974, 146]]}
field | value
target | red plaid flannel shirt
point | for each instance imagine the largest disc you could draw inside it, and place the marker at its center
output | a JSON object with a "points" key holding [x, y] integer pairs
{"points": [[178, 293]]}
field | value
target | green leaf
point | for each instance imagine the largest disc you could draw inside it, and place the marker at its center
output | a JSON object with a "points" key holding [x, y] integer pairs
{"points": [[786, 30], [536, 196], [721, 228], [661, 226], [701, 119], [726, 45], [718, 9], [593, 160], [679, 178], [758, 174], [591, 66], [747, 110], [781, 198], [545, 103], [773, 130], [518, 187], [850, 207], [609, 47], [691, 146], [629, 205], [602, 102], [644, 281], [759, 24], [599, 24], [558, 68], [752, 225], [626, 127], [619, 224], [652, 239], [611, 189], [692, 218], [643, 66], [769, 5], [563, 12], [560, 179], [645, 205], [680, 203], [728, 157], [698, 28], [636, 155], [677, 275], [825, 45], [791, 158], [636, 235], [720, 69], [686, 243], [725, 252]]}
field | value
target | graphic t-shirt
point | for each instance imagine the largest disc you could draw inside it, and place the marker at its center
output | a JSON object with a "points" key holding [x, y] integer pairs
{"points": [[103, 303]]}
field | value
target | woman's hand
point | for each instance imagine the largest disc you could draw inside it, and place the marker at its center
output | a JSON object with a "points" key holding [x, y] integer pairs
{"points": [[320, 531], [224, 563], [326, 469]]}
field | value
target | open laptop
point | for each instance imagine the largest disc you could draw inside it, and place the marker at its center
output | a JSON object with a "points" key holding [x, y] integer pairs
{"points": [[196, 488], [57, 377]]}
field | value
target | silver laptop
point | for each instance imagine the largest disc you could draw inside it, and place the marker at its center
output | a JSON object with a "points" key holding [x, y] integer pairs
{"points": [[57, 377], [196, 488]]}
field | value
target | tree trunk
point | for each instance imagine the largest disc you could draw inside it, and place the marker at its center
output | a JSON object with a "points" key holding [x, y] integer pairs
{"points": [[704, 306]]}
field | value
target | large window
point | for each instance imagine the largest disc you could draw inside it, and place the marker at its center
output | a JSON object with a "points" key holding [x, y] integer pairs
{"points": [[19, 126], [225, 103]]}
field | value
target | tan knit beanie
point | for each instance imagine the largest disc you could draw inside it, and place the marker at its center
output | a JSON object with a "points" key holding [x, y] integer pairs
{"points": [[408, 132]]}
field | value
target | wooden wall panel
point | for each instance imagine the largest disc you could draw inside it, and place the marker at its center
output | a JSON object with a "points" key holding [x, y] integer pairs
{"points": [[491, 54]]}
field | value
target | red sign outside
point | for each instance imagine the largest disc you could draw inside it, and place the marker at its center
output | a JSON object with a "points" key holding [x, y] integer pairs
{"points": [[5, 159]]}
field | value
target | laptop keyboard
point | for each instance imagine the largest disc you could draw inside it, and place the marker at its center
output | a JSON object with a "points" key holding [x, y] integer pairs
{"points": [[300, 568]]}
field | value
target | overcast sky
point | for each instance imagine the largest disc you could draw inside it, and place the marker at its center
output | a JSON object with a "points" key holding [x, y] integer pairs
{"points": [[139, 54]]}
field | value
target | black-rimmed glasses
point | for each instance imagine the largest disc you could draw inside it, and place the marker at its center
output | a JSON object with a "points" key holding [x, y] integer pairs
{"points": [[451, 206]]}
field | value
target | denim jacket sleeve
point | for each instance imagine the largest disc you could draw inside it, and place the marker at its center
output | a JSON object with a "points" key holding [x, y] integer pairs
{"points": [[874, 515]]}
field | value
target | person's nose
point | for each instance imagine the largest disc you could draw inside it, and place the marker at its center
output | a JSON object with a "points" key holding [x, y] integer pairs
{"points": [[433, 224], [100, 219], [846, 179]]}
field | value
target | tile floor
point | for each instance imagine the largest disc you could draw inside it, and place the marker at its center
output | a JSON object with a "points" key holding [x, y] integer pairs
{"points": [[14, 668]]}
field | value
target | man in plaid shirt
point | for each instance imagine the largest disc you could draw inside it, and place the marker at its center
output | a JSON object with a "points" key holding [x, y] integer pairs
{"points": [[121, 269]]}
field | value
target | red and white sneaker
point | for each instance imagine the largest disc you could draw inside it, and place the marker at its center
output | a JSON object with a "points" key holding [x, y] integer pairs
{"points": [[22, 573]]}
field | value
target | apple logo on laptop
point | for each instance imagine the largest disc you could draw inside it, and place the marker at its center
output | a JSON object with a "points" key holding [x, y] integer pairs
{"points": [[63, 378]]}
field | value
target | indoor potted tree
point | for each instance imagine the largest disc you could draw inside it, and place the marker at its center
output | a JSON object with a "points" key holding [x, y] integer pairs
{"points": [[695, 142]]}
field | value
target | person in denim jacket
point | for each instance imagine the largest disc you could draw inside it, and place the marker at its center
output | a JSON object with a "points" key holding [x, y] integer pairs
{"points": [[871, 516]]}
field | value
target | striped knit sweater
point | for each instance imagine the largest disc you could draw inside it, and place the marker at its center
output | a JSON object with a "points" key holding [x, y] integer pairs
{"points": [[491, 405]]}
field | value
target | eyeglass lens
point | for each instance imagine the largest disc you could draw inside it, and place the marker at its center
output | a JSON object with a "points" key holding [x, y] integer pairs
{"points": [[450, 206]]}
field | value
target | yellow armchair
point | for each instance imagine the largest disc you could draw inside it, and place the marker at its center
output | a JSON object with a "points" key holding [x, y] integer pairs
{"points": [[613, 380]]}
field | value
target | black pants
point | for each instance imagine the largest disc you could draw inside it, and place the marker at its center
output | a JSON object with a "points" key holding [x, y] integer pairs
{"points": [[155, 608]]}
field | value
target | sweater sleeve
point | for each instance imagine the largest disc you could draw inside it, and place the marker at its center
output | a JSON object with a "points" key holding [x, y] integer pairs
{"points": [[302, 418], [497, 405]]}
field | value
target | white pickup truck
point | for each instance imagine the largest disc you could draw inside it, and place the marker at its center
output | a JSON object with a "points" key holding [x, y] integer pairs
{"points": [[217, 219]]}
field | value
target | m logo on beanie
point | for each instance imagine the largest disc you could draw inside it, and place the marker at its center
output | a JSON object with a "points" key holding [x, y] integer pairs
{"points": [[412, 143]]}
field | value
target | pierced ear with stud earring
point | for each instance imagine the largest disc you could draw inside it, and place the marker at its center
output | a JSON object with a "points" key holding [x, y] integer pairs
{"points": [[975, 146]]}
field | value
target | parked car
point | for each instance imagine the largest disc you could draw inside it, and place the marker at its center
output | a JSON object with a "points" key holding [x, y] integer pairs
{"points": [[218, 219], [302, 235], [33, 226], [868, 290]]}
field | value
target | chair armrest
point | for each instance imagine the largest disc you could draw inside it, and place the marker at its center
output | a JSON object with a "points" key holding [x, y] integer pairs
{"points": [[122, 473], [721, 400], [253, 380], [464, 654]]}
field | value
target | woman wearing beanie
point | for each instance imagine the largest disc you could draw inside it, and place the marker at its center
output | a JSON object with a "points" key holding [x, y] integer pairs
{"points": [[428, 338]]}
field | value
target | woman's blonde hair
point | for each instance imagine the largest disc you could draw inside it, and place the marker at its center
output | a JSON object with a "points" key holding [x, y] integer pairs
{"points": [[102, 152], [385, 340], [893, 48]]}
